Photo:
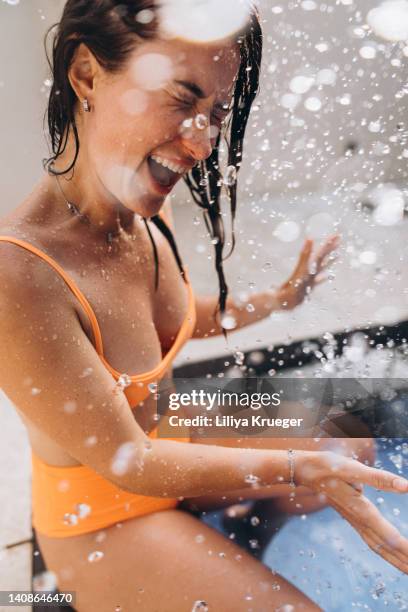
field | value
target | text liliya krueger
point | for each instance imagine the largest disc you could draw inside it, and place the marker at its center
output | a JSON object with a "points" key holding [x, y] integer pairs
{"points": [[233, 422]]}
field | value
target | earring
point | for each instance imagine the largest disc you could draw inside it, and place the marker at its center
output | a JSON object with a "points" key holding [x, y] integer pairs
{"points": [[85, 105]]}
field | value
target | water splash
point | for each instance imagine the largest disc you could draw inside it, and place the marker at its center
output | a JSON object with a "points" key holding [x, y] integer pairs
{"points": [[204, 21]]}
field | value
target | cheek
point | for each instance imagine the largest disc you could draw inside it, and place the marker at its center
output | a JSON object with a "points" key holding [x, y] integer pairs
{"points": [[129, 123]]}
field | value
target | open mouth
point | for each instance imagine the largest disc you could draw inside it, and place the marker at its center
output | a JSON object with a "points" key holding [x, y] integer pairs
{"points": [[162, 174]]}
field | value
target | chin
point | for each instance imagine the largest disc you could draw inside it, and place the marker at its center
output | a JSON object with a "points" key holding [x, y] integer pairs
{"points": [[148, 207]]}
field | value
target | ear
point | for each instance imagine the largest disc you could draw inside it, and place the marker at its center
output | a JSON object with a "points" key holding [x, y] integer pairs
{"points": [[84, 73]]}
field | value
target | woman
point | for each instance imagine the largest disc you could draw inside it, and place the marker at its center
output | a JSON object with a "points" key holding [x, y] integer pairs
{"points": [[131, 111]]}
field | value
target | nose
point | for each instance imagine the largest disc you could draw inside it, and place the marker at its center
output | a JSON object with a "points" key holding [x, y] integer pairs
{"points": [[198, 142]]}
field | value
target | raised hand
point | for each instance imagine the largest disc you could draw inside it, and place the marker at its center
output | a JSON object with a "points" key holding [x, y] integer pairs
{"points": [[309, 272]]}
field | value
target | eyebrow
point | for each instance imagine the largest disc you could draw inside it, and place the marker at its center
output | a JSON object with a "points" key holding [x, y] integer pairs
{"points": [[192, 88], [196, 90]]}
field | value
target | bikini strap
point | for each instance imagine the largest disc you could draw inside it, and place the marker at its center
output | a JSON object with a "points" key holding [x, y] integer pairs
{"points": [[71, 284]]}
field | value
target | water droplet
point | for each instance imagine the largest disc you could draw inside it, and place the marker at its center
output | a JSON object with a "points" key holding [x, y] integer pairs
{"points": [[123, 456], [290, 101], [253, 543], [63, 486], [200, 606], [95, 556], [368, 52], [397, 460], [287, 231], [313, 104], [91, 441], [199, 538], [151, 71], [70, 518], [124, 381], [344, 100], [326, 76], [368, 257], [152, 387], [239, 357], [145, 16], [83, 510], [100, 537], [186, 125], [378, 590], [252, 479], [396, 511], [46, 581], [309, 5], [230, 177], [70, 407], [87, 372], [255, 521], [374, 127], [390, 20], [256, 358], [301, 84], [201, 121], [228, 322]]}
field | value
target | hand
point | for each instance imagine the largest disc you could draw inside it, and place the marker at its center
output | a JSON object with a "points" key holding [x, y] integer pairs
{"points": [[341, 480], [307, 274]]}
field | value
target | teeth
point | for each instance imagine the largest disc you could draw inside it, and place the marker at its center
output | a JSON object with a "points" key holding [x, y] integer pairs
{"points": [[169, 165]]}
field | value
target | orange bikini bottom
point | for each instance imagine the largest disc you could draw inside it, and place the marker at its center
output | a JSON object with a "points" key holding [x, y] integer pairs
{"points": [[71, 501]]}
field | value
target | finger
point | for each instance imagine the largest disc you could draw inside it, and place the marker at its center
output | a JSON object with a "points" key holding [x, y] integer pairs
{"points": [[363, 511], [321, 278], [329, 245], [380, 479], [302, 267], [326, 253], [327, 261], [358, 487], [374, 541], [377, 532], [379, 546]]}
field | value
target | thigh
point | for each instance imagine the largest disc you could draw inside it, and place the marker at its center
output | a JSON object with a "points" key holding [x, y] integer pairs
{"points": [[165, 562]]}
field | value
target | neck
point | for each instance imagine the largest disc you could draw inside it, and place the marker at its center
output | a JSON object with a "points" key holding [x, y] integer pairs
{"points": [[82, 188]]}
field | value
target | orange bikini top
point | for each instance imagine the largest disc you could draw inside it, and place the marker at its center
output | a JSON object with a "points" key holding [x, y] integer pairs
{"points": [[139, 389]]}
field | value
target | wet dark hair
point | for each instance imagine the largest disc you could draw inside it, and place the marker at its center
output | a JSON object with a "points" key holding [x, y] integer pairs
{"points": [[110, 30]]}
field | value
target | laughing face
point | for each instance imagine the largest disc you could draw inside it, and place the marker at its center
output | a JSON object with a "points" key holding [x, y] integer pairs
{"points": [[156, 118]]}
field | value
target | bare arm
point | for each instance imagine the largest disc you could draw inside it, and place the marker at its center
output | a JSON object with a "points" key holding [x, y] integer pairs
{"points": [[308, 273], [44, 359], [258, 307]]}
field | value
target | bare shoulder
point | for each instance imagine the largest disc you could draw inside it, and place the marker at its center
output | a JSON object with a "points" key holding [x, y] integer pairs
{"points": [[44, 355], [26, 275]]}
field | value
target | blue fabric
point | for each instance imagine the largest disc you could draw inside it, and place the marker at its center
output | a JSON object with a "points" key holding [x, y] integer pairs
{"points": [[325, 557]]}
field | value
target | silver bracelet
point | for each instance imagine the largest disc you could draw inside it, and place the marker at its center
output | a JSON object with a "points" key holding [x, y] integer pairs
{"points": [[291, 459]]}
